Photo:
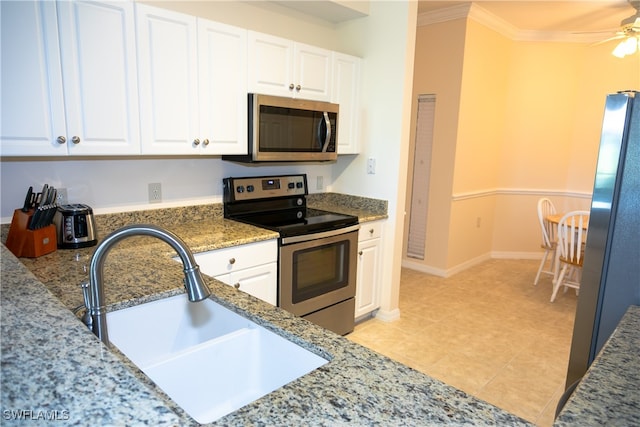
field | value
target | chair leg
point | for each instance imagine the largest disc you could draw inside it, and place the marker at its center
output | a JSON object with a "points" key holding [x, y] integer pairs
{"points": [[558, 282], [540, 268]]}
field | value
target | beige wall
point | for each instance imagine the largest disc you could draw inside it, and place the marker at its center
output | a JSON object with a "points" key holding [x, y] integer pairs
{"points": [[485, 76], [438, 70], [527, 124]]}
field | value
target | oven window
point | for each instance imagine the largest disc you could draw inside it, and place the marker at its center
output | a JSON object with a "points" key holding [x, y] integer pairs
{"points": [[319, 270]]}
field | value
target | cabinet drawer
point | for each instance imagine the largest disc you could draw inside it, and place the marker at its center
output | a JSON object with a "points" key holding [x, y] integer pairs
{"points": [[260, 281], [221, 261], [370, 230]]}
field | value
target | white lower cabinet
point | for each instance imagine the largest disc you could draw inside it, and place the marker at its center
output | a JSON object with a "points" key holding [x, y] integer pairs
{"points": [[251, 268], [258, 281], [369, 261]]}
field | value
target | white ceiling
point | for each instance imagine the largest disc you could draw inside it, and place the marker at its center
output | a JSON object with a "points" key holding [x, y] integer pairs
{"points": [[550, 16]]}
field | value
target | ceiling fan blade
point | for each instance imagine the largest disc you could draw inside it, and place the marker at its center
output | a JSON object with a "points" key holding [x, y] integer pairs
{"points": [[594, 32], [617, 37]]}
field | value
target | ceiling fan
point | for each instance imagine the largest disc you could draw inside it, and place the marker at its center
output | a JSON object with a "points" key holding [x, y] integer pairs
{"points": [[629, 33]]}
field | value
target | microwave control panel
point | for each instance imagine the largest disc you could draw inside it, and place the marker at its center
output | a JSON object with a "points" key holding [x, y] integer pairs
{"points": [[264, 187]]}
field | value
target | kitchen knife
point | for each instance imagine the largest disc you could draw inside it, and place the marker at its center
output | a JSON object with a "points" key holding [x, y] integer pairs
{"points": [[52, 207], [28, 200], [38, 213]]}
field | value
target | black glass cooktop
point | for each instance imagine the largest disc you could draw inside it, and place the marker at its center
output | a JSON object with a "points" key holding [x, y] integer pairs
{"points": [[299, 221]]}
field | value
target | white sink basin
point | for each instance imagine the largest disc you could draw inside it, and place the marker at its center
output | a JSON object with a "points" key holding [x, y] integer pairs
{"points": [[208, 359]]}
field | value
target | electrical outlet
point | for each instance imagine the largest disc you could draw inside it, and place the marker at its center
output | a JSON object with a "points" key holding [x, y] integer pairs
{"points": [[371, 166], [61, 196], [155, 192]]}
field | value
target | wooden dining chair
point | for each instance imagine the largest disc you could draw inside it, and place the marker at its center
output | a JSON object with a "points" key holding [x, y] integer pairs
{"points": [[572, 236], [546, 208]]}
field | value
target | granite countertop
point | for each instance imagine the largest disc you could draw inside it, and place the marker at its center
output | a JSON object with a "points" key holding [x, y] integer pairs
{"points": [[608, 393], [54, 367]]}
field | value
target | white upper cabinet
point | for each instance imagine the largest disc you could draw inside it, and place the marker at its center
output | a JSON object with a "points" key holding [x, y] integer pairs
{"points": [[192, 84], [346, 93], [91, 47], [282, 67], [223, 87], [168, 70]]}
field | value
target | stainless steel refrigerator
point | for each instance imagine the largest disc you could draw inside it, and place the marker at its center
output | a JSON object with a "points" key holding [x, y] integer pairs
{"points": [[611, 268]]}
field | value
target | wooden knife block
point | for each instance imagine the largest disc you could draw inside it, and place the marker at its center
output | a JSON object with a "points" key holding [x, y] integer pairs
{"points": [[30, 243]]}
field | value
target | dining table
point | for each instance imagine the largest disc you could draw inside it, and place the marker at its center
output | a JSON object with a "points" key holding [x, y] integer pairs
{"points": [[555, 219]]}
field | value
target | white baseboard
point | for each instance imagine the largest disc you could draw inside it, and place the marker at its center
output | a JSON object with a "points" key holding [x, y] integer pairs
{"points": [[388, 316], [413, 265], [517, 255]]}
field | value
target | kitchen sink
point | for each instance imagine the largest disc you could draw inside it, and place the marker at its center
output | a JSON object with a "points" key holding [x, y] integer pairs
{"points": [[208, 359]]}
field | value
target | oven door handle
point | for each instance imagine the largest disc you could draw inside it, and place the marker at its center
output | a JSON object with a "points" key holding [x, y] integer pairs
{"points": [[321, 235]]}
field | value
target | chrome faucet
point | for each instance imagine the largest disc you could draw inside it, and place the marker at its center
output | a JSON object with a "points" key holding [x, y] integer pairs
{"points": [[96, 316]]}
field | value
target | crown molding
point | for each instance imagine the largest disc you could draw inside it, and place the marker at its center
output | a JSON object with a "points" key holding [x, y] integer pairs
{"points": [[443, 15], [491, 21]]}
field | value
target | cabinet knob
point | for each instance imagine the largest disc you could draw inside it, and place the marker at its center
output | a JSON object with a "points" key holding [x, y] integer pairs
{"points": [[196, 142], [298, 88], [360, 253], [232, 261], [205, 142], [237, 285], [371, 231], [291, 86], [75, 139], [61, 140]]}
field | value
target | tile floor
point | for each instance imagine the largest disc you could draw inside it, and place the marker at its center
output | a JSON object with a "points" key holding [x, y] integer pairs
{"points": [[487, 330]]}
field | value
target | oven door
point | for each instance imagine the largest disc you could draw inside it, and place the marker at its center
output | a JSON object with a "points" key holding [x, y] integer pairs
{"points": [[317, 270]]}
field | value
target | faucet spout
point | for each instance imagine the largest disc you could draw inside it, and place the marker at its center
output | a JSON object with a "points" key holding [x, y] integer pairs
{"points": [[194, 284]]}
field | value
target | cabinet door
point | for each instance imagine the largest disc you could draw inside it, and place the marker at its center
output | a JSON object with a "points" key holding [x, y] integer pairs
{"points": [[97, 45], [367, 284], [261, 281], [32, 100], [222, 65], [167, 62], [312, 76], [346, 93], [270, 65]]}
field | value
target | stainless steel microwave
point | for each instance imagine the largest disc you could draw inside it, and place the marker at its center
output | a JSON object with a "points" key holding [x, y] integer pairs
{"points": [[290, 130]]}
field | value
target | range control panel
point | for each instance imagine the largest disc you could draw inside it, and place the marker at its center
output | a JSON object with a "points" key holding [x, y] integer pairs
{"points": [[264, 187]]}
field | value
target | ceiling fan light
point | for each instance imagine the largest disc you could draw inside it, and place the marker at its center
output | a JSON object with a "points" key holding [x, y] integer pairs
{"points": [[620, 50], [626, 47], [633, 45]]}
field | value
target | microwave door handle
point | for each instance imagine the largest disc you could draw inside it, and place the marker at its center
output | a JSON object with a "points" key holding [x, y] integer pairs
{"points": [[327, 123]]}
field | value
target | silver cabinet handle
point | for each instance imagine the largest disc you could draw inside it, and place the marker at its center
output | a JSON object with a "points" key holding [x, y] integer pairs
{"points": [[61, 140], [232, 261], [205, 142], [237, 285], [75, 139], [291, 86], [196, 142], [298, 88]]}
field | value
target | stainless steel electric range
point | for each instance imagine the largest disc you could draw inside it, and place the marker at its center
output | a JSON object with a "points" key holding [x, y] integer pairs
{"points": [[317, 250]]}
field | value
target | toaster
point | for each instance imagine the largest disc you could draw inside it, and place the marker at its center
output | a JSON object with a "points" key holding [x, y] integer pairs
{"points": [[75, 226]]}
